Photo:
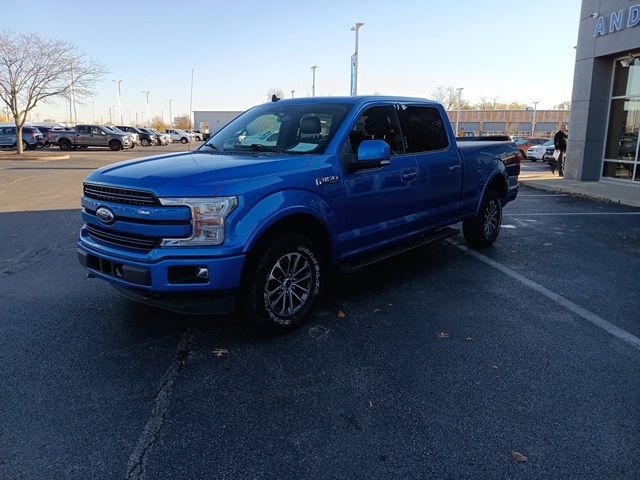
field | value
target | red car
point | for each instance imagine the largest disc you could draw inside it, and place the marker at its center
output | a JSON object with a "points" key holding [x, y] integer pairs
{"points": [[523, 144]]}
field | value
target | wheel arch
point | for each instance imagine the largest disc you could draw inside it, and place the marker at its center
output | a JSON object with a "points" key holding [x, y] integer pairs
{"points": [[496, 182]]}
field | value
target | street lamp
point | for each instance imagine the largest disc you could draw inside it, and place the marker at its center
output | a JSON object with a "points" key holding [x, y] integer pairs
{"points": [[313, 85], [119, 101], [146, 93], [533, 119], [354, 62], [458, 108], [292, 92]]}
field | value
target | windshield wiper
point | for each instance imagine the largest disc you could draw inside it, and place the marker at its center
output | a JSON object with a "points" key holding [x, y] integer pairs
{"points": [[210, 145], [256, 147]]}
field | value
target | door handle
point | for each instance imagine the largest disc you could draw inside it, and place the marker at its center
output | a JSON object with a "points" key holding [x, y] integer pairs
{"points": [[453, 168], [409, 175]]}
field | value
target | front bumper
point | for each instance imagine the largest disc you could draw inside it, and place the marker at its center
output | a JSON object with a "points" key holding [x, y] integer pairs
{"points": [[161, 280]]}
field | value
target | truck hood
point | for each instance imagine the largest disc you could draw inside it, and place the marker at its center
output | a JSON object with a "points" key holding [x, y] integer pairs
{"points": [[192, 174]]}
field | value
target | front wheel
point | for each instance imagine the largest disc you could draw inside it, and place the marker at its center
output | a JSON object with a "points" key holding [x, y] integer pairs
{"points": [[145, 142], [282, 283], [115, 145], [184, 140], [482, 231]]}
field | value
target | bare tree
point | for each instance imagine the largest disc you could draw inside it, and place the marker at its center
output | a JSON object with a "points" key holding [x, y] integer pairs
{"points": [[448, 96], [183, 122], [563, 106], [34, 70], [274, 91], [158, 124]]}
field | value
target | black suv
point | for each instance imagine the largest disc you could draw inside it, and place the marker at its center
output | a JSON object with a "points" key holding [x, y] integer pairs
{"points": [[146, 139]]}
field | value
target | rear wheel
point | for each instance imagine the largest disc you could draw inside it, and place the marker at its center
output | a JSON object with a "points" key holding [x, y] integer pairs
{"points": [[115, 145], [482, 231], [282, 283], [64, 144], [184, 140]]}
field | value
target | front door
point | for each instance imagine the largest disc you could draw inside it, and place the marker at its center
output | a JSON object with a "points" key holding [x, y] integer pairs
{"points": [[380, 202]]}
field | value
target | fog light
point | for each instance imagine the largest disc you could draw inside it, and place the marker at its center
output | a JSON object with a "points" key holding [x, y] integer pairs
{"points": [[203, 272]]}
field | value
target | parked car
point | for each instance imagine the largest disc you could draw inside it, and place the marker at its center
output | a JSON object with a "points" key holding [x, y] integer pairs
{"points": [[48, 135], [195, 134], [135, 138], [31, 138], [94, 136], [163, 138], [204, 135], [266, 138], [179, 135], [146, 139], [536, 152], [523, 144], [197, 231], [548, 155]]}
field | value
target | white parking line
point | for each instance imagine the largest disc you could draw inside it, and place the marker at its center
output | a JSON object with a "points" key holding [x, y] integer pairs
{"points": [[556, 214], [542, 195], [559, 299]]}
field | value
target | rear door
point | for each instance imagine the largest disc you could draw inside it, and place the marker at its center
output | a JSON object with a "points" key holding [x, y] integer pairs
{"points": [[438, 161], [83, 135]]}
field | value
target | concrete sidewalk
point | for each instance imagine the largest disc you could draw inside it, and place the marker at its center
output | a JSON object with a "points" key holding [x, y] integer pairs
{"points": [[614, 192]]}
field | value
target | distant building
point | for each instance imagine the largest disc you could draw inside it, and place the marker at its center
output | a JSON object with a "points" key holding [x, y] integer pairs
{"points": [[510, 122], [605, 105], [212, 120]]}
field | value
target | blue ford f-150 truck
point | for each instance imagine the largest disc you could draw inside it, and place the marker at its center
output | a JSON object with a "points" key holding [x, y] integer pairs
{"points": [[257, 215]]}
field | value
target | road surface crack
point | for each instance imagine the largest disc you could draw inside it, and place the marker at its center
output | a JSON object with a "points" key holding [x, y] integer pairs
{"points": [[162, 401]]}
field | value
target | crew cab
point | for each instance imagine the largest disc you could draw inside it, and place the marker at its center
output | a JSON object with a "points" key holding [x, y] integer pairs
{"points": [[93, 136], [348, 181], [179, 135]]}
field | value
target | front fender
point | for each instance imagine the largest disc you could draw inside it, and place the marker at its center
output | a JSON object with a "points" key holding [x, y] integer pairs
{"points": [[277, 206]]}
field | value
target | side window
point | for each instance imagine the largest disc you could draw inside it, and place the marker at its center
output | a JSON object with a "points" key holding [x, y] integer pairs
{"points": [[83, 130], [425, 129], [95, 130], [10, 131], [378, 123]]}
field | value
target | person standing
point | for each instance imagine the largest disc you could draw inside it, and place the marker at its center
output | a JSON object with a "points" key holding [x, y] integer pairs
{"points": [[560, 144]]}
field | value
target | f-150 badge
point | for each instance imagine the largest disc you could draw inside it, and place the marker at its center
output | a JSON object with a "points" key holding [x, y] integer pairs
{"points": [[325, 180]]}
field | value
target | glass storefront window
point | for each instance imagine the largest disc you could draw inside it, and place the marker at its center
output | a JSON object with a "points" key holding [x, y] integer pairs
{"points": [[621, 151], [624, 123], [626, 80]]}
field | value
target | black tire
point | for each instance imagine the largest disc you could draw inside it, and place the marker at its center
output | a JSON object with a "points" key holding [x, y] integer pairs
{"points": [[64, 144], [482, 231], [115, 145], [145, 142], [286, 268], [184, 140], [133, 145], [533, 159]]}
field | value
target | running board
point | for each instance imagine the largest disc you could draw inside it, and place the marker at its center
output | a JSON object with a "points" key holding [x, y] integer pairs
{"points": [[362, 262]]}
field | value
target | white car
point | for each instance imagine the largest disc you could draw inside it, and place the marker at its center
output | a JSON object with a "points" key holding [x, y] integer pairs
{"points": [[196, 135], [535, 152], [179, 135]]}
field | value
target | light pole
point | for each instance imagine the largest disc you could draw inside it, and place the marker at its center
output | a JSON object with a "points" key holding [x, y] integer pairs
{"points": [[354, 62], [170, 117], [147, 92], [191, 101], [458, 109], [533, 120], [313, 85], [292, 92], [120, 101]]}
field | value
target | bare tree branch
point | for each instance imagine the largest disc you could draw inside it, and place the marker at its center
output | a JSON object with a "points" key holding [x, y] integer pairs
{"points": [[34, 70]]}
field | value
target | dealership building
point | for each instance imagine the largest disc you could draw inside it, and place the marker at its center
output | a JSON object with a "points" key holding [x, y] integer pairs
{"points": [[605, 104]]}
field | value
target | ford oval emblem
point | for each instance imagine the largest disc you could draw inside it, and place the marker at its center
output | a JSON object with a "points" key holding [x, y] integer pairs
{"points": [[105, 215]]}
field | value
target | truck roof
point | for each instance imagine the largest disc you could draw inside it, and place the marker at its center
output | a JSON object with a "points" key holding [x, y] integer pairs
{"points": [[355, 100]]}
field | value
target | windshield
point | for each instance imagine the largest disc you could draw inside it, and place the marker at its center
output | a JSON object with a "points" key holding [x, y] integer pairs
{"points": [[282, 128]]}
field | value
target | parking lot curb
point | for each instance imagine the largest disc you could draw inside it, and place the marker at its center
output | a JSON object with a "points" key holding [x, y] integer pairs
{"points": [[27, 157], [581, 192]]}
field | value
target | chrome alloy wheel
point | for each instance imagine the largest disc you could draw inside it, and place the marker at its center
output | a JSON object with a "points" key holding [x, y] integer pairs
{"points": [[288, 284], [491, 218]]}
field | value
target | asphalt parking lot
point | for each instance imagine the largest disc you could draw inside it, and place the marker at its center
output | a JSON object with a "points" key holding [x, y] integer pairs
{"points": [[447, 361]]}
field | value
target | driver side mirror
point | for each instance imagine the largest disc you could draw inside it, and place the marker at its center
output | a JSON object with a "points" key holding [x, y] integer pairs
{"points": [[371, 154]]}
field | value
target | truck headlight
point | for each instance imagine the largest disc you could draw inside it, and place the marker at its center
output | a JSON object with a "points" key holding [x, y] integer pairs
{"points": [[208, 217]]}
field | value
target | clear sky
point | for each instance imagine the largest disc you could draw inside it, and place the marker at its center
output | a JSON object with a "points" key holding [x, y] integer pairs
{"points": [[511, 49]]}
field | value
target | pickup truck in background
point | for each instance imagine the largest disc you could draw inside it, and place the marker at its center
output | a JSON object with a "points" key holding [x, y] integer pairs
{"points": [[349, 181], [84, 136]]}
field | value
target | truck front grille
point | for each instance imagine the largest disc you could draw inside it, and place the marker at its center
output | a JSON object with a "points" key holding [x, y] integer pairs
{"points": [[136, 242], [120, 195]]}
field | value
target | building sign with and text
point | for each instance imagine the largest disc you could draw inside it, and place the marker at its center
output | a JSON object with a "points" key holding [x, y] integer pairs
{"points": [[617, 21]]}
